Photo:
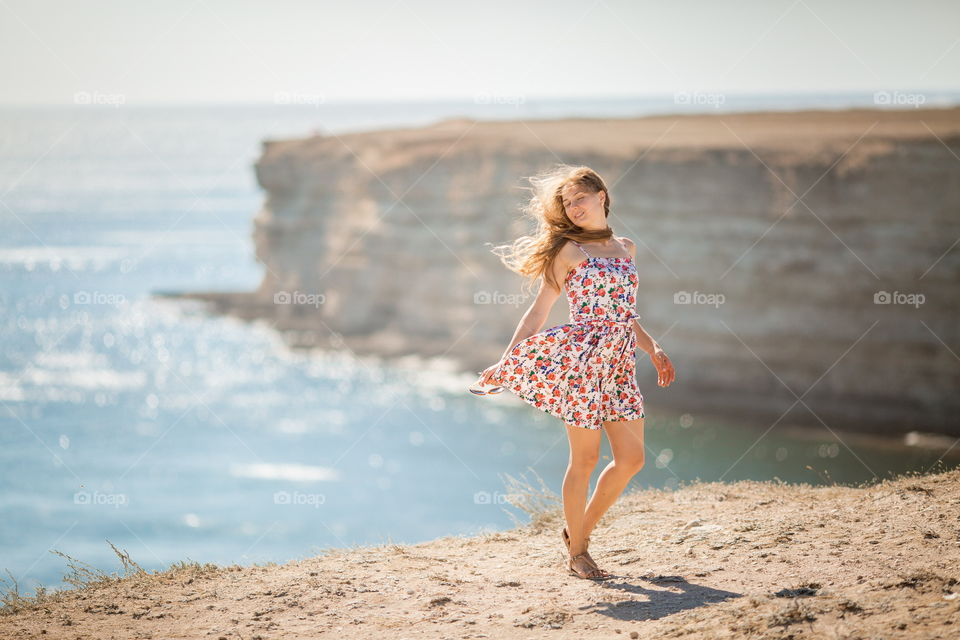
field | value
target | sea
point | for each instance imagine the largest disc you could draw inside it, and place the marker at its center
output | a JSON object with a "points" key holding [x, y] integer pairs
{"points": [[145, 425]]}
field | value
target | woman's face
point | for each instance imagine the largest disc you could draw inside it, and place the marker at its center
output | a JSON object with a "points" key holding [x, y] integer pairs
{"points": [[583, 207]]}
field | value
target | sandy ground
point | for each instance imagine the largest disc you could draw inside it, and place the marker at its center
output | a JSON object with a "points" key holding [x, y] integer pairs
{"points": [[708, 560]]}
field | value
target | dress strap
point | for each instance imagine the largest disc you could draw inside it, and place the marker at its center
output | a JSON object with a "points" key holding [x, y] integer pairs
{"points": [[579, 246]]}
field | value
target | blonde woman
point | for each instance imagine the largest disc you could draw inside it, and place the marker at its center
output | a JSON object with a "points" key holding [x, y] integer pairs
{"points": [[583, 372]]}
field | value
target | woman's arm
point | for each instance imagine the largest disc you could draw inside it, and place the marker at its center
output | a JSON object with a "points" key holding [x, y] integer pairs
{"points": [[644, 341], [534, 318], [532, 321], [663, 365]]}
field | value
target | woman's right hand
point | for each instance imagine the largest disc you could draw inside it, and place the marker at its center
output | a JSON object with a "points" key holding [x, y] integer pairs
{"points": [[486, 376]]}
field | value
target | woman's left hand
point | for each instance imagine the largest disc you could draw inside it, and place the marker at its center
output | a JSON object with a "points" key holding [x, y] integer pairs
{"points": [[665, 372]]}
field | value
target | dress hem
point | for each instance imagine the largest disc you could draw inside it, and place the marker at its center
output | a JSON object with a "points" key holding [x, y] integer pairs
{"points": [[549, 410]]}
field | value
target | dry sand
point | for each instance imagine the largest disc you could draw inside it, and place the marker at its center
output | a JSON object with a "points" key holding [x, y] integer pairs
{"points": [[708, 560]]}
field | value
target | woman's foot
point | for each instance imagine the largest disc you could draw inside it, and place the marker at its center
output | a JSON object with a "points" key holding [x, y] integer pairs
{"points": [[583, 566]]}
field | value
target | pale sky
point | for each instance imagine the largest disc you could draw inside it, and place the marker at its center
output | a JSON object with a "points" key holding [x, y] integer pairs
{"points": [[203, 51]]}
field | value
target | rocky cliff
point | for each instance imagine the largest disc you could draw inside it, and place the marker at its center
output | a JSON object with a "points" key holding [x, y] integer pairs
{"points": [[795, 266]]}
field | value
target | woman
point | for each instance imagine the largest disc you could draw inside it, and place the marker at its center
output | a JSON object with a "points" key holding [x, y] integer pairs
{"points": [[583, 372]]}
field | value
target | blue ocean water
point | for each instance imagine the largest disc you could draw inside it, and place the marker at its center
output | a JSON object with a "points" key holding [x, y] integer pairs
{"points": [[179, 435]]}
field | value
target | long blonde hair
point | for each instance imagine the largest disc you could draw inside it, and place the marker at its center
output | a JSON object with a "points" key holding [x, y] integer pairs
{"points": [[532, 255]]}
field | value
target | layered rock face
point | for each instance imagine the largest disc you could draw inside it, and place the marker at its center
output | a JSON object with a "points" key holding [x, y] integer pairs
{"points": [[797, 267]]}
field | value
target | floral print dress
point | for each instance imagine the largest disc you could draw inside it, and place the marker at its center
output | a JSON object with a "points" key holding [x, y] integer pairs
{"points": [[584, 372]]}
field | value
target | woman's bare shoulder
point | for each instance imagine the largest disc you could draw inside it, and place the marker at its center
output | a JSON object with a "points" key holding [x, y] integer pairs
{"points": [[631, 247], [570, 255], [566, 259]]}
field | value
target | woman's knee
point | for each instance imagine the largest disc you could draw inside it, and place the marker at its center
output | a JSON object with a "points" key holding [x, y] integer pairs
{"points": [[583, 460], [584, 448], [632, 462]]}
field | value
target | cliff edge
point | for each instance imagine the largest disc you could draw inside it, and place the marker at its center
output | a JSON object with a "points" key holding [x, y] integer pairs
{"points": [[796, 266], [707, 560]]}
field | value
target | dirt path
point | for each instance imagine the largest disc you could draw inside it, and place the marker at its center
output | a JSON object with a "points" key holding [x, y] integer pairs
{"points": [[709, 560]]}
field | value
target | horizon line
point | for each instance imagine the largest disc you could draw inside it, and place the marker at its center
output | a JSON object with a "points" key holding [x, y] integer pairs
{"points": [[473, 99]]}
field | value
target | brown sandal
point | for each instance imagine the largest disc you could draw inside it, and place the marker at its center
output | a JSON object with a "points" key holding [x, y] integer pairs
{"points": [[604, 574]]}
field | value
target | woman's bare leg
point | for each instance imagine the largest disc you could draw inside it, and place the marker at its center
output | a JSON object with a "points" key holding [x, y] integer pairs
{"points": [[584, 453], [626, 443]]}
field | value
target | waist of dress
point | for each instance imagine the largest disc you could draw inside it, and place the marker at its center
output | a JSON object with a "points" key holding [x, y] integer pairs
{"points": [[628, 321]]}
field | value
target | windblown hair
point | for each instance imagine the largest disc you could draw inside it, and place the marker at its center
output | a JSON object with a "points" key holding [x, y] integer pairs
{"points": [[532, 255]]}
